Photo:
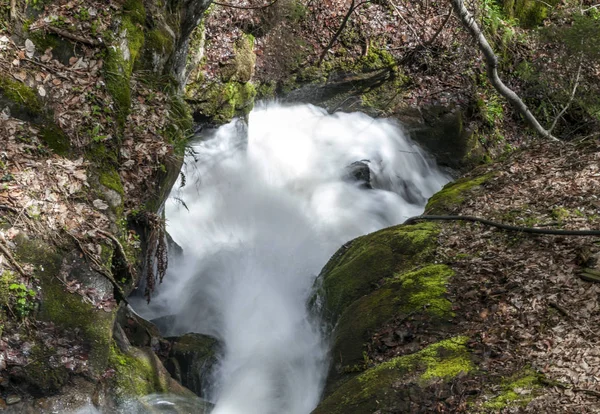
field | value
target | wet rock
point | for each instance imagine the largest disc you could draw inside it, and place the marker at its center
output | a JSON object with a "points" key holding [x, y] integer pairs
{"points": [[191, 359], [359, 172], [139, 331]]}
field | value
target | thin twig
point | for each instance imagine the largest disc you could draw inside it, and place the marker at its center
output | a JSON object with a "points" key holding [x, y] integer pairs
{"points": [[532, 230], [595, 6], [99, 268], [353, 7], [48, 68], [588, 391], [12, 260], [568, 104], [119, 246], [412, 29], [233, 6], [9, 208], [448, 16]]}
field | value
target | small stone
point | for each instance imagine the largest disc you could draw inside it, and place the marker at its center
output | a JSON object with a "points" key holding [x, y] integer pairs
{"points": [[29, 48], [99, 204], [13, 399]]}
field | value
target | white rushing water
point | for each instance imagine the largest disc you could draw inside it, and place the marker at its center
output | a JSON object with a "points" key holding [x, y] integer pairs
{"points": [[265, 208]]}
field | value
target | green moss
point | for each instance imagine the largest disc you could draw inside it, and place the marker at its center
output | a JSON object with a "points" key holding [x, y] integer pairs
{"points": [[529, 13], [139, 372], [20, 94], [119, 63], [560, 214], [134, 10], [111, 179], [64, 309], [55, 139], [43, 40], [41, 374], [6, 279], [426, 288], [454, 193], [445, 359], [421, 291], [179, 127], [221, 102], [159, 41], [516, 391], [356, 270], [383, 387], [134, 375]]}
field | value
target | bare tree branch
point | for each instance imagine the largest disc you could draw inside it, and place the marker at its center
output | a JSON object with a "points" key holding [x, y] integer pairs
{"points": [[12, 260], [353, 7], [414, 32], [566, 107], [492, 68], [233, 6], [448, 16]]}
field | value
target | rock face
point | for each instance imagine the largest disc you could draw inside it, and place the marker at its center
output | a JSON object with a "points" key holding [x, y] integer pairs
{"points": [[191, 359], [80, 239]]}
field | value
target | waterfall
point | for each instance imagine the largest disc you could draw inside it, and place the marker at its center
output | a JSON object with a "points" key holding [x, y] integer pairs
{"points": [[263, 208]]}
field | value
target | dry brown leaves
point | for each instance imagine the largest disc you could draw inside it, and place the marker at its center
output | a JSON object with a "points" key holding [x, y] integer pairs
{"points": [[520, 295]]}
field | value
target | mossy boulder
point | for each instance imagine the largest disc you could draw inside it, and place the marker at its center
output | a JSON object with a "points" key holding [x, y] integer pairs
{"points": [[409, 383], [365, 263], [441, 130], [375, 279], [455, 193], [139, 372], [233, 94]]}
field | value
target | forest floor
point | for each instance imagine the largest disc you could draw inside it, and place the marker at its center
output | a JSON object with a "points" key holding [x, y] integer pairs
{"points": [[519, 297]]}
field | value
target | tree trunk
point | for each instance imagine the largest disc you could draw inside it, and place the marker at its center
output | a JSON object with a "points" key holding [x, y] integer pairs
{"points": [[492, 68]]}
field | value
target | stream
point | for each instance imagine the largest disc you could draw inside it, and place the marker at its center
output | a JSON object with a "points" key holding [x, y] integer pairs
{"points": [[258, 211]]}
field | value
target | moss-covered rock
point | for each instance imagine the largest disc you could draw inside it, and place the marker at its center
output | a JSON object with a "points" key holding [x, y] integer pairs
{"points": [[121, 57], [401, 384], [69, 310], [378, 278], [362, 265], [191, 359], [139, 372], [455, 193], [230, 96], [516, 391]]}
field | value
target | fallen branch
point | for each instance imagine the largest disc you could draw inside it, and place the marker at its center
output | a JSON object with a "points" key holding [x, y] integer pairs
{"points": [[12, 260], [48, 68], [245, 7], [99, 268], [72, 36], [531, 230], [353, 7], [439, 30], [492, 68], [412, 29], [9, 208]]}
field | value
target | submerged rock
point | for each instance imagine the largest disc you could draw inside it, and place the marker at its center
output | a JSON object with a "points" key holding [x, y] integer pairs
{"points": [[359, 172]]}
